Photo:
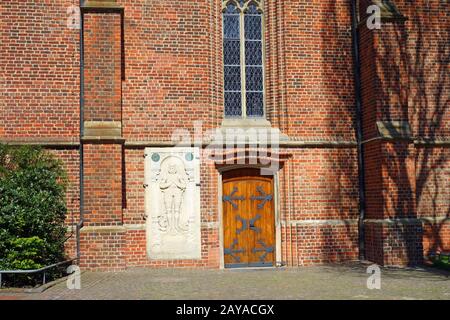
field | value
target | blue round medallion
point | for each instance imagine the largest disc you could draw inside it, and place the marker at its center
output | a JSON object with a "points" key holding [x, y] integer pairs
{"points": [[189, 156], [156, 157]]}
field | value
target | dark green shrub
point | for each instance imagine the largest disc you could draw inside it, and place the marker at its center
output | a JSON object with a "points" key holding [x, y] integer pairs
{"points": [[24, 252], [441, 261], [32, 208]]}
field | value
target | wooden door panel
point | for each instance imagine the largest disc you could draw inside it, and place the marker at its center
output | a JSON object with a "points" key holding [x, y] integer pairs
{"points": [[248, 219], [262, 240], [235, 243]]}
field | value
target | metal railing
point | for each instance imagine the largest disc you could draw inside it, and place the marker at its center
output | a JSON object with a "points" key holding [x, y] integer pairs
{"points": [[32, 271]]}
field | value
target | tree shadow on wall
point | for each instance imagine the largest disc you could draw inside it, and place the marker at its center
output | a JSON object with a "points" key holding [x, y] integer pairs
{"points": [[424, 98], [413, 81], [429, 105]]}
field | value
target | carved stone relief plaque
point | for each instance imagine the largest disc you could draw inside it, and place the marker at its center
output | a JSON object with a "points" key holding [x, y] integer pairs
{"points": [[172, 203]]}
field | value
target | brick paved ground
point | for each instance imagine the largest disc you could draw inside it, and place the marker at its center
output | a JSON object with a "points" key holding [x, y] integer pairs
{"points": [[324, 282]]}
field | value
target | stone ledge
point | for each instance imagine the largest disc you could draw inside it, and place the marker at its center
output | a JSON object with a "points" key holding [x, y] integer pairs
{"points": [[215, 225], [103, 229], [137, 227], [394, 129], [102, 4], [432, 142], [50, 141], [323, 144], [319, 222], [389, 11], [102, 132], [407, 221], [102, 129], [55, 142], [435, 219], [245, 123], [141, 226], [292, 143], [416, 141]]}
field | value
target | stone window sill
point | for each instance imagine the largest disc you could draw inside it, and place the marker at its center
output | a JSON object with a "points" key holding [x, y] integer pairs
{"points": [[245, 123]]}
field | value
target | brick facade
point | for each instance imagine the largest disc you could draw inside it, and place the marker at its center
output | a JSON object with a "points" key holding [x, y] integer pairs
{"points": [[404, 79], [151, 68]]}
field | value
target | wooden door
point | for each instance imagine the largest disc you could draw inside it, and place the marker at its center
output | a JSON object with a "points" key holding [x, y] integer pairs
{"points": [[248, 218]]}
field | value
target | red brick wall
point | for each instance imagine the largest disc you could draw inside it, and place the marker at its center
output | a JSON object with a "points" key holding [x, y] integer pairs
{"points": [[396, 243], [313, 83], [368, 79], [71, 161], [102, 67], [404, 78], [436, 237], [320, 184], [172, 63], [429, 31], [169, 67], [103, 250], [136, 252], [134, 206], [103, 184], [39, 65], [432, 196], [389, 165], [420, 46], [402, 244], [427, 56], [373, 181], [398, 180], [373, 241], [319, 206], [319, 244]]}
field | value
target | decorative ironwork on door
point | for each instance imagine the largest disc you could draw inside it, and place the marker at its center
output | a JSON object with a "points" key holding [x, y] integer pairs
{"points": [[263, 196], [233, 251], [248, 224], [231, 198]]}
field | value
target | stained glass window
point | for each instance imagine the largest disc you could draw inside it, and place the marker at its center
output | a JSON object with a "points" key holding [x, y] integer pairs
{"points": [[243, 59], [254, 77], [232, 61]]}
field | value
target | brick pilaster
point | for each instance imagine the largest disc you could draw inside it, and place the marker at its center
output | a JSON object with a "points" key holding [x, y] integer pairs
{"points": [[393, 232], [103, 236]]}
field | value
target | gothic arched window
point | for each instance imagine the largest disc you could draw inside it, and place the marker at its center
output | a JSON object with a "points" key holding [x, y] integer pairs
{"points": [[243, 58]]}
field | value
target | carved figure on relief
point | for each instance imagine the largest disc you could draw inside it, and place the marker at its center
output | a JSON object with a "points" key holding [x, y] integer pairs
{"points": [[172, 185]]}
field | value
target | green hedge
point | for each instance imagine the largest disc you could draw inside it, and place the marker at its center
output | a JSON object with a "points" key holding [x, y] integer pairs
{"points": [[32, 208], [441, 261]]}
